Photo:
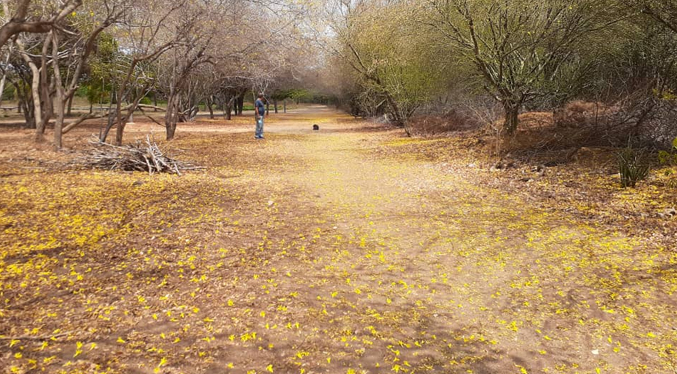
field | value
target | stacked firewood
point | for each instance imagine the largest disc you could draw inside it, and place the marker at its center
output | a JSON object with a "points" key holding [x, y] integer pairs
{"points": [[140, 156]]}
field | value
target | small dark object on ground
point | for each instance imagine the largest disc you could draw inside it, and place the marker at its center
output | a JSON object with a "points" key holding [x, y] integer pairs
{"points": [[140, 156], [316, 128]]}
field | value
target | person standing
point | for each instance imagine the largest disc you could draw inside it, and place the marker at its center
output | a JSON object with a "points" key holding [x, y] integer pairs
{"points": [[260, 112]]}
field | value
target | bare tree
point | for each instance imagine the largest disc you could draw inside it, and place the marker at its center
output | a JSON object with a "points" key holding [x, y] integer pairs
{"points": [[55, 14], [143, 40], [108, 13], [516, 45], [71, 43], [20, 21], [189, 54], [35, 98], [240, 64], [20, 75]]}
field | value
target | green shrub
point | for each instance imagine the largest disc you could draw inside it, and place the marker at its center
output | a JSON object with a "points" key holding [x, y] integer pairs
{"points": [[631, 167], [669, 158], [9, 93]]}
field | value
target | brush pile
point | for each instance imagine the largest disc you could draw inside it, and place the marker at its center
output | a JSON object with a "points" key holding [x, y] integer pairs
{"points": [[140, 156]]}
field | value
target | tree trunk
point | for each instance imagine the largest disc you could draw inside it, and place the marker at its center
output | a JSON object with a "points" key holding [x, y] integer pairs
{"points": [[26, 107], [267, 108], [172, 115], [155, 101], [194, 113], [45, 85], [122, 119], [37, 103], [59, 97], [35, 93], [70, 105], [29, 115], [512, 110], [120, 131], [4, 77], [284, 104], [210, 107], [275, 105], [229, 109], [240, 105], [395, 111], [171, 131], [111, 118], [109, 126], [60, 115], [119, 97]]}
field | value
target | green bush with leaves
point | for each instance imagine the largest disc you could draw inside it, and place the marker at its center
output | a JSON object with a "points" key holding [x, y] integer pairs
{"points": [[669, 157], [9, 93], [632, 168]]}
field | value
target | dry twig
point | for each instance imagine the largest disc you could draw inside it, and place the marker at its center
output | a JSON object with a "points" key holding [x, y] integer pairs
{"points": [[141, 156], [35, 338]]}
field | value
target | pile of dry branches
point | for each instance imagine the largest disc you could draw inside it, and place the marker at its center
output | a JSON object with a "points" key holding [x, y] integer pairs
{"points": [[141, 156]]}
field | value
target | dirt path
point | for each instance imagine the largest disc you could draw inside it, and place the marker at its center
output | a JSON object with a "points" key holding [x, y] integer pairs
{"points": [[323, 255], [430, 271]]}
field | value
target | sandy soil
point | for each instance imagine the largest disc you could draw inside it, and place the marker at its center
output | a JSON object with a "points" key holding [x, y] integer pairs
{"points": [[312, 252]]}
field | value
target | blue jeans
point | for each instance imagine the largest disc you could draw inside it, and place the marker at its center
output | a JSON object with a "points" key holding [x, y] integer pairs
{"points": [[259, 127]]}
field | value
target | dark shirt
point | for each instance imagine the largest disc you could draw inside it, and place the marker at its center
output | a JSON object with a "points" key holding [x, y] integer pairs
{"points": [[260, 107]]}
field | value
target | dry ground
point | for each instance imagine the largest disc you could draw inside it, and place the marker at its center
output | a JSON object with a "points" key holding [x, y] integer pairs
{"points": [[348, 250]]}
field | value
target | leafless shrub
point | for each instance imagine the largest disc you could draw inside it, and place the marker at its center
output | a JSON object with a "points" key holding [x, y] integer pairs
{"points": [[486, 112], [453, 120], [582, 123], [578, 114]]}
